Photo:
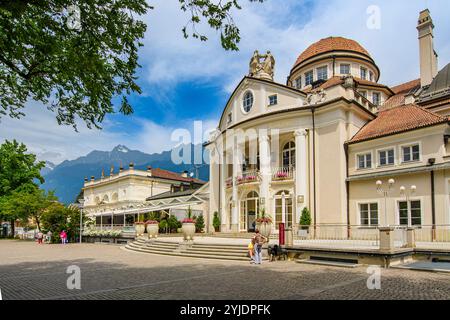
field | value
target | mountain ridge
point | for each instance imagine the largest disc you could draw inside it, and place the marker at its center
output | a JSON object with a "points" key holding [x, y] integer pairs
{"points": [[67, 178]]}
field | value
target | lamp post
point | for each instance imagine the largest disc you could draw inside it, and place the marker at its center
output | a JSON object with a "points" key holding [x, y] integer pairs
{"points": [[407, 193], [81, 201], [385, 193]]}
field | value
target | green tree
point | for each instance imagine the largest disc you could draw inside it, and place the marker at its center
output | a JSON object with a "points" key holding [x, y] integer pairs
{"points": [[76, 56], [29, 203], [173, 223], [163, 225], [216, 221], [305, 218], [199, 224], [57, 217], [18, 167], [19, 173]]}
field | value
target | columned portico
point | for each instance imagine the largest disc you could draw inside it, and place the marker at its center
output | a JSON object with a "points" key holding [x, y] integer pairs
{"points": [[237, 171], [264, 154], [301, 173]]}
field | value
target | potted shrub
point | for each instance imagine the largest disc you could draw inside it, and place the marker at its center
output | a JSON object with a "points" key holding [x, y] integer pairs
{"points": [[264, 224], [305, 222], [152, 228], [199, 224], [188, 226], [216, 222], [140, 228]]}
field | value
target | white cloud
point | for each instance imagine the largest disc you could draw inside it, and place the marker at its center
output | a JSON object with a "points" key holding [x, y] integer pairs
{"points": [[285, 28]]}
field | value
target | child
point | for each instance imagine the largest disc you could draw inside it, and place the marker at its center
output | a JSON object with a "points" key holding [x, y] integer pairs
{"points": [[251, 251]]}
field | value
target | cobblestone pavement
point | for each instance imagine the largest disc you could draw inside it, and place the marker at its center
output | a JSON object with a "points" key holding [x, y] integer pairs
{"points": [[31, 271]]}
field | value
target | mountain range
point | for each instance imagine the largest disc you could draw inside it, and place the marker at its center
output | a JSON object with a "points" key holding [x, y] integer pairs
{"points": [[67, 178]]}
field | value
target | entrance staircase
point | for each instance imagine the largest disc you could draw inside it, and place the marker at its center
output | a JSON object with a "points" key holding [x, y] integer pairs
{"points": [[196, 250]]}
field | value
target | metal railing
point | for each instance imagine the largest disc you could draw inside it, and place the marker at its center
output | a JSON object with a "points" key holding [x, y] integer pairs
{"points": [[338, 236], [248, 177], [283, 173]]}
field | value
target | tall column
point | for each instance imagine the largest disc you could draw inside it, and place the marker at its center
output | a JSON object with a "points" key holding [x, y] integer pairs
{"points": [[266, 171], [223, 187], [237, 171], [301, 174]]}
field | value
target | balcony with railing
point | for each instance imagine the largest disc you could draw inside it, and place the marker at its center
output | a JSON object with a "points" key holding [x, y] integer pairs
{"points": [[283, 173], [229, 182], [249, 176]]}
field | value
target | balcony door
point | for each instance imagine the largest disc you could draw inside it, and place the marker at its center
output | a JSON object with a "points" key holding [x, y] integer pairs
{"points": [[289, 155]]}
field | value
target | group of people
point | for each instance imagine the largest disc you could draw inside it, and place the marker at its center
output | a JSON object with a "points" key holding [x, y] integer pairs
{"points": [[255, 248], [47, 238]]}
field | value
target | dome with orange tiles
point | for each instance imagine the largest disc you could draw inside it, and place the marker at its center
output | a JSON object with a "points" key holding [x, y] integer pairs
{"points": [[331, 44]]}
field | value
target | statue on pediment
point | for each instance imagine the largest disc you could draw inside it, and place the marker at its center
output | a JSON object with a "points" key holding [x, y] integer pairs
{"points": [[263, 69]]}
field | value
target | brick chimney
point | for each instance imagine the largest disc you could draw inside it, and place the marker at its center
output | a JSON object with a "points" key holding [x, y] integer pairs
{"points": [[428, 57]]}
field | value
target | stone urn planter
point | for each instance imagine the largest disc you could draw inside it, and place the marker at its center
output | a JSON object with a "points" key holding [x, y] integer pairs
{"points": [[188, 229], [152, 229], [140, 228], [264, 225]]}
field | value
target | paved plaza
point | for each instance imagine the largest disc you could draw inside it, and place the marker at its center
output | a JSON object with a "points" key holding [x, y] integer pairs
{"points": [[31, 271]]}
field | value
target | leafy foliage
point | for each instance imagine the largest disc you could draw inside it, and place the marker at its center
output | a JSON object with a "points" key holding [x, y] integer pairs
{"points": [[199, 224], [58, 217], [305, 218], [218, 16], [216, 221], [77, 56], [173, 223], [17, 167], [76, 70]]}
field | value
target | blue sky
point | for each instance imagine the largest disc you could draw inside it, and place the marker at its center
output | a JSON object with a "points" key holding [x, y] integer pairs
{"points": [[187, 80]]}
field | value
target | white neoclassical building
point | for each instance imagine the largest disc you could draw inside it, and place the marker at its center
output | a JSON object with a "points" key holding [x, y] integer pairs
{"points": [[329, 136]]}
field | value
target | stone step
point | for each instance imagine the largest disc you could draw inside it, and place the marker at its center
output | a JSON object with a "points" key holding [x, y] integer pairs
{"points": [[213, 256], [328, 263], [160, 245], [219, 246], [217, 253], [143, 247], [225, 250]]}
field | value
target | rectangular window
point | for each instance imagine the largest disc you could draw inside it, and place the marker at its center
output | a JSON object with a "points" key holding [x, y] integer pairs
{"points": [[309, 78], [229, 117], [345, 69], [368, 213], [410, 213], [386, 157], [376, 98], [322, 73], [411, 153], [364, 161], [364, 94], [273, 100], [363, 73], [371, 76], [298, 83]]}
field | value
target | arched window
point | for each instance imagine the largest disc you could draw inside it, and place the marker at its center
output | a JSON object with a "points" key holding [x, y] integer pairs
{"points": [[283, 209], [105, 198], [247, 101], [115, 197], [248, 211], [289, 154]]}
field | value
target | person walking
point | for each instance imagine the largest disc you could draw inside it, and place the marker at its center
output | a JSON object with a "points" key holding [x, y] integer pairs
{"points": [[40, 236], [49, 236], [63, 236], [259, 240]]}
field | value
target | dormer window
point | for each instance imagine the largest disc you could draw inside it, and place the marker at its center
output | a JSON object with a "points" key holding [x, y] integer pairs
{"points": [[309, 79], [230, 118], [376, 98], [322, 73], [298, 83], [345, 69], [273, 100], [363, 73]]}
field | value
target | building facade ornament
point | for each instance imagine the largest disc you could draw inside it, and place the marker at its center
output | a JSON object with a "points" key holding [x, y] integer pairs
{"points": [[262, 69]]}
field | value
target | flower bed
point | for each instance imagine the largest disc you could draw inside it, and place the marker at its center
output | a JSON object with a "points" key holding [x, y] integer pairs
{"points": [[151, 222], [188, 220]]}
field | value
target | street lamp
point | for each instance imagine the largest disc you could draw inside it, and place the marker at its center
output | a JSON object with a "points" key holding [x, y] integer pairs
{"points": [[385, 193], [81, 201]]}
